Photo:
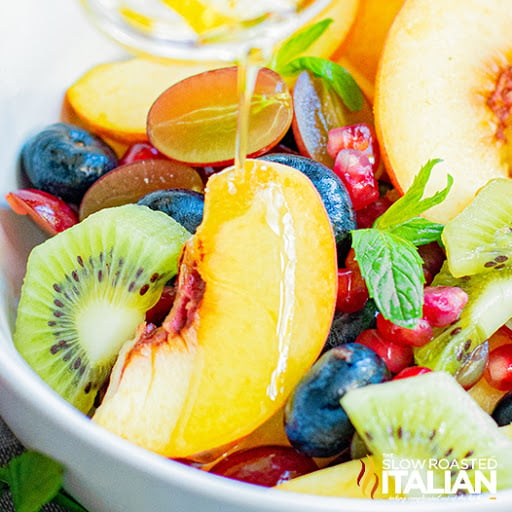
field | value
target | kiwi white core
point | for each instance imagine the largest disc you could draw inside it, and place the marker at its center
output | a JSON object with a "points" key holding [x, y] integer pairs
{"points": [[103, 327]]}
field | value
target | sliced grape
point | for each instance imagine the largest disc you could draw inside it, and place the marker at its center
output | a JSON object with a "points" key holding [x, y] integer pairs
{"points": [[265, 465], [317, 110], [48, 211], [128, 183], [195, 120]]}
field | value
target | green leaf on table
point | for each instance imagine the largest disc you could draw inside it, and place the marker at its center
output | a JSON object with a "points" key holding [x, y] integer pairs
{"points": [[4, 475], [298, 43], [392, 269], [68, 502], [337, 76], [34, 480]]}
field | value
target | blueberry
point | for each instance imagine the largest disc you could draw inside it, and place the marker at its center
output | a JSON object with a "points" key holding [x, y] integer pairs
{"points": [[502, 413], [184, 206], [332, 191], [346, 327], [315, 422], [65, 160]]}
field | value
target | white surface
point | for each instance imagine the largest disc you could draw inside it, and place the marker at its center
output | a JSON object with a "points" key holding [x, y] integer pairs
{"points": [[44, 46]]}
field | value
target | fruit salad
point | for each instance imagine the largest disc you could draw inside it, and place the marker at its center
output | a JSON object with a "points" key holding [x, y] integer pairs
{"points": [[331, 317]]}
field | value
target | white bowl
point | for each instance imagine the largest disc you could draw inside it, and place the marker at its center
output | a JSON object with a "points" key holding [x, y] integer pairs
{"points": [[45, 46]]}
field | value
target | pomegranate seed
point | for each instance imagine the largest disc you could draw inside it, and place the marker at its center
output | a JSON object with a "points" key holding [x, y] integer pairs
{"points": [[411, 371], [141, 151], [433, 258], [265, 465], [499, 368], [352, 291], [397, 357], [365, 217], [443, 304], [356, 136], [351, 286], [416, 336], [356, 171], [48, 211]]}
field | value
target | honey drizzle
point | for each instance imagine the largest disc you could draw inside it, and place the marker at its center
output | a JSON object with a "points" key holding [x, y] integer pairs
{"points": [[249, 64]]}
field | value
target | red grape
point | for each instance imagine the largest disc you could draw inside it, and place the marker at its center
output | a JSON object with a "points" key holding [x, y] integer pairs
{"points": [[128, 183], [48, 211], [397, 357], [416, 336], [499, 368], [265, 465]]}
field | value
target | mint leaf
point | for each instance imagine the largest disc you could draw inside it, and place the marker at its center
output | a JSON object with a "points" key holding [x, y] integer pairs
{"points": [[34, 479], [4, 475], [337, 76], [67, 501], [412, 203], [298, 43], [418, 231], [392, 269]]}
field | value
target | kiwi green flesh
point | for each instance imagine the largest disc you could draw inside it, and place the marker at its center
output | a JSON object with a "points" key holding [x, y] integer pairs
{"points": [[488, 308], [479, 239], [86, 290], [429, 418]]}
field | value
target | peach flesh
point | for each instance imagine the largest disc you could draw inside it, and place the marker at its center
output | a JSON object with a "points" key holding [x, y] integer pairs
{"points": [[440, 65], [256, 295]]}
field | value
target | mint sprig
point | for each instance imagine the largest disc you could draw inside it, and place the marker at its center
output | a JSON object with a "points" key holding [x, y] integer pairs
{"points": [[289, 62], [298, 43], [34, 480], [413, 203], [387, 253], [337, 76]]}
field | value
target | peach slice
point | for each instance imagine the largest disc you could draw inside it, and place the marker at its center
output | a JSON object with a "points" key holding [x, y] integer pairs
{"points": [[343, 15], [255, 299], [363, 45], [147, 369], [113, 99], [442, 91]]}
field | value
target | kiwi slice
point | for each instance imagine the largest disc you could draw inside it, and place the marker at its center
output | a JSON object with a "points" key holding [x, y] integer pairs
{"points": [[432, 431], [479, 239], [488, 308], [86, 290]]}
